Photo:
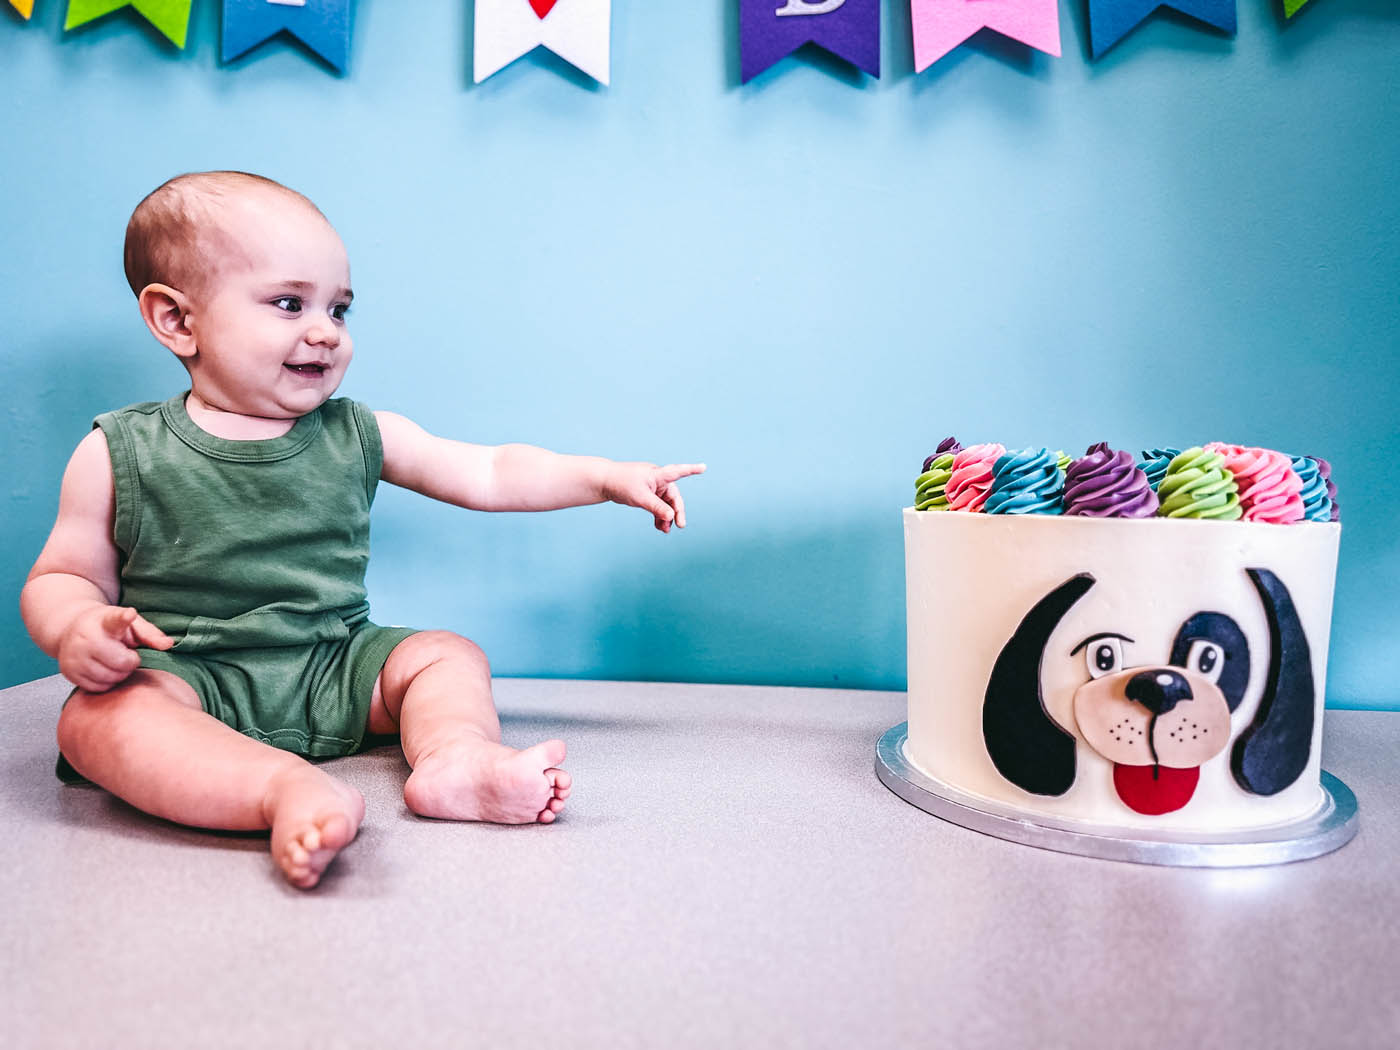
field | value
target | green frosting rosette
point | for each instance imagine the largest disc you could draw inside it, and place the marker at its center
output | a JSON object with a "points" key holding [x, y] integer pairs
{"points": [[929, 486], [1197, 485]]}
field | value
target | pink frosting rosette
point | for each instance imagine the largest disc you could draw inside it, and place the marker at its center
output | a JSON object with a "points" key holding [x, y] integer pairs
{"points": [[1270, 490], [972, 476]]}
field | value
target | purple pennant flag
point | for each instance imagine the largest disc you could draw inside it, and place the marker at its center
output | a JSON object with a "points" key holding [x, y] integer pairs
{"points": [[770, 30], [322, 25]]}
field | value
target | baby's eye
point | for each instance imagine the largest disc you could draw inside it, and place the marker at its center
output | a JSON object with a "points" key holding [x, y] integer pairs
{"points": [[290, 303], [339, 310]]}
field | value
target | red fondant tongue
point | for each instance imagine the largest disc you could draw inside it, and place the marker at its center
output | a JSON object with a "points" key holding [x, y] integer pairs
{"points": [[1166, 792], [543, 7]]}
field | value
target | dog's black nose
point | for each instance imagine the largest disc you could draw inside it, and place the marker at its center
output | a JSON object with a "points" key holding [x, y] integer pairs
{"points": [[1159, 689]]}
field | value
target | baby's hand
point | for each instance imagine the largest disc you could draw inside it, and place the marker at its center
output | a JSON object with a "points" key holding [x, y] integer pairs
{"points": [[98, 651], [652, 488]]}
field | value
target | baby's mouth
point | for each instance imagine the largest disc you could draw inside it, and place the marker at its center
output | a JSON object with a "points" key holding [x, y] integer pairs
{"points": [[309, 370]]}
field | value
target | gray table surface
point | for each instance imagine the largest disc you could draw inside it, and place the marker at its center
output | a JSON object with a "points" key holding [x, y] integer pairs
{"points": [[729, 872]]}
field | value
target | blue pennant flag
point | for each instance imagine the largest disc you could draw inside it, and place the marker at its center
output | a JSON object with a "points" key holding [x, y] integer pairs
{"points": [[322, 25], [1111, 20]]}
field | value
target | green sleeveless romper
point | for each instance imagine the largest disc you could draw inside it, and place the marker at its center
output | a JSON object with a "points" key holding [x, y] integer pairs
{"points": [[252, 555]]}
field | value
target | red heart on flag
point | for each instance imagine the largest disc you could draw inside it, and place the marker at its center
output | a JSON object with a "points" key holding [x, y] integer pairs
{"points": [[543, 7]]}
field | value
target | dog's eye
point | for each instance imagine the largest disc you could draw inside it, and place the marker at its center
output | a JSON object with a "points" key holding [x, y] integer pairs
{"points": [[1206, 659], [1104, 656]]}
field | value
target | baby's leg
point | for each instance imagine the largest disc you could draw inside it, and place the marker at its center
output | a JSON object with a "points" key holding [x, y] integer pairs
{"points": [[435, 690], [148, 742]]}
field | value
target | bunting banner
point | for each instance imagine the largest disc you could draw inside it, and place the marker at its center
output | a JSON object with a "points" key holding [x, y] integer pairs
{"points": [[941, 25], [1290, 7], [171, 17], [770, 30], [24, 7], [323, 26], [1111, 20], [578, 31]]}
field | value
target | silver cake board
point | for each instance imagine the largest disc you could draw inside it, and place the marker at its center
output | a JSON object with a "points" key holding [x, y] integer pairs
{"points": [[1330, 828]]}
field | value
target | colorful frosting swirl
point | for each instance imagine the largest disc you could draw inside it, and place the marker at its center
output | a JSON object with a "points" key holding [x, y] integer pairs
{"points": [[1317, 505], [1063, 460], [972, 476], [930, 486], [1325, 469], [1197, 485], [1153, 462], [1269, 489], [949, 446], [1027, 482], [1108, 484]]}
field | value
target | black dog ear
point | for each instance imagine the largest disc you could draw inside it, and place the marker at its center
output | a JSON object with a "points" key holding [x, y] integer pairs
{"points": [[1224, 632], [1025, 744], [1273, 752]]}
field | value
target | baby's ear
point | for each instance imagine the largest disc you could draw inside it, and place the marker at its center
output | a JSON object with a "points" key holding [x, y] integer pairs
{"points": [[166, 313]]}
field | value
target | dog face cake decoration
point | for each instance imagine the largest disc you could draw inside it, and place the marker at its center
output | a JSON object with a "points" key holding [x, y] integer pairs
{"points": [[1122, 649]]}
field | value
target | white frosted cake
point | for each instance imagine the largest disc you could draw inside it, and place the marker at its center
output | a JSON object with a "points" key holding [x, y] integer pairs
{"points": [[1153, 671]]}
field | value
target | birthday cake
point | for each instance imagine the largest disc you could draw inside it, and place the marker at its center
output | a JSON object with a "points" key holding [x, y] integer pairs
{"points": [[1118, 641]]}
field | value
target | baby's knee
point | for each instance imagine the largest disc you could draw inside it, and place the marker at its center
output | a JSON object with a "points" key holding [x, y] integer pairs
{"points": [[86, 717], [98, 718], [431, 647]]}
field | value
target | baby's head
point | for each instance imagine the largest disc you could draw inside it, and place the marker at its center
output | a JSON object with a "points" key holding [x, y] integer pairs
{"points": [[248, 284]]}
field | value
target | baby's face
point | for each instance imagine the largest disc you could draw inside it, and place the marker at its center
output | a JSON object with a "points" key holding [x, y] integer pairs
{"points": [[270, 330]]}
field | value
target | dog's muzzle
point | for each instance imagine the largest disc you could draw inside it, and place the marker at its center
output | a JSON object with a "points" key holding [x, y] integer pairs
{"points": [[1157, 725]]}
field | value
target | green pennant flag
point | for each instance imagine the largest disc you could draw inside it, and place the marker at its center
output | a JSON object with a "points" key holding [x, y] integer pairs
{"points": [[171, 17], [1292, 7]]}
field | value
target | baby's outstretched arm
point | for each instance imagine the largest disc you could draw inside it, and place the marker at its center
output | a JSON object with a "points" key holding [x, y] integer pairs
{"points": [[68, 601], [522, 477]]}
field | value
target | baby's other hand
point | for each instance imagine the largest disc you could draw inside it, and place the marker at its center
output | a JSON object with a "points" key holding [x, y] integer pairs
{"points": [[652, 488], [98, 651]]}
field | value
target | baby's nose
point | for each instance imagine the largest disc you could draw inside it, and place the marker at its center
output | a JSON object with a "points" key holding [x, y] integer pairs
{"points": [[323, 333]]}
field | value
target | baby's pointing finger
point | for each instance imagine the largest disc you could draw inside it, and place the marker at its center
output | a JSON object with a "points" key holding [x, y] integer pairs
{"points": [[676, 471]]}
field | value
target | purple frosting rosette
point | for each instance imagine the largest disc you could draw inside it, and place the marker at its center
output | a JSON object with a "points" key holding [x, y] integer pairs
{"points": [[1108, 484], [949, 445]]}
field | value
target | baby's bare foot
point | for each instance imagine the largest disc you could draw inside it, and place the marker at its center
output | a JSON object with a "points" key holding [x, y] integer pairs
{"points": [[476, 779], [313, 817]]}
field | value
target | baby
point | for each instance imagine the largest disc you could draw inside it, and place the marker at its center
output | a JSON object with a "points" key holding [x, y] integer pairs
{"points": [[203, 586]]}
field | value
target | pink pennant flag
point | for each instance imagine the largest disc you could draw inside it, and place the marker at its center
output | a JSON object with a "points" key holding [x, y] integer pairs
{"points": [[941, 25]]}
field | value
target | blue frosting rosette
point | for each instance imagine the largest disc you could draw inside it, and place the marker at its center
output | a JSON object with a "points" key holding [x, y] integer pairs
{"points": [[1153, 462], [1317, 504], [1027, 482]]}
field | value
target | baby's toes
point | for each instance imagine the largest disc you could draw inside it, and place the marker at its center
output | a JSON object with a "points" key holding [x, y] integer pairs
{"points": [[560, 781], [295, 863]]}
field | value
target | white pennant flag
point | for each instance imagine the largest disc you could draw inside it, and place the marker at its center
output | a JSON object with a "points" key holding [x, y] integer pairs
{"points": [[578, 31]]}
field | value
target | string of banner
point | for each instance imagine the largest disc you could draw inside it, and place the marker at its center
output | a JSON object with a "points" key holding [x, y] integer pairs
{"points": [[579, 31]]}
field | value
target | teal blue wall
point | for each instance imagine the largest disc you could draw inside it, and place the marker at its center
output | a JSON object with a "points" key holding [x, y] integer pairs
{"points": [[805, 282]]}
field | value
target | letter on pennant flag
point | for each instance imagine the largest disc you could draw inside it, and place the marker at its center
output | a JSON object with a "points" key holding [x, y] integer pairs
{"points": [[941, 25], [322, 25], [171, 17], [770, 30], [1111, 20], [578, 31], [24, 7]]}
